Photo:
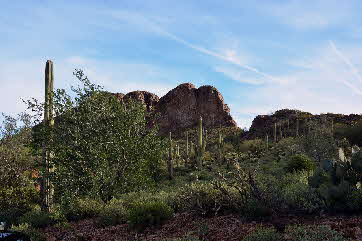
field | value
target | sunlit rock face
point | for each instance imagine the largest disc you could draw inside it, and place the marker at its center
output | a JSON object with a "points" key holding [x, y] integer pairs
{"points": [[182, 107]]}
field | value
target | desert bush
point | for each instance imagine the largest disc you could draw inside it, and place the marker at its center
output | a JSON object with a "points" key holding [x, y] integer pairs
{"points": [[82, 208], [298, 163], [28, 232], [352, 133], [354, 201], [315, 233], [22, 196], [263, 234], [39, 219], [207, 198], [256, 146], [145, 214], [102, 147], [113, 213], [11, 215], [16, 163], [319, 144], [198, 197], [255, 208], [298, 195]]}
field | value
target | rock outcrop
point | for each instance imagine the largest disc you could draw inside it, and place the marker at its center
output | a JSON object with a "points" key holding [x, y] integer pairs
{"points": [[181, 108], [148, 99], [287, 121]]}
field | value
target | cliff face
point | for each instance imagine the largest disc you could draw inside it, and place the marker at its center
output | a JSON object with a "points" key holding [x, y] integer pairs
{"points": [[182, 106], [287, 122]]}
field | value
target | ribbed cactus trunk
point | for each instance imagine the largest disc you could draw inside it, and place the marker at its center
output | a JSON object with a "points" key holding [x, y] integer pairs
{"points": [[297, 128], [275, 132], [220, 148], [267, 142], [177, 155], [47, 189], [281, 131], [332, 125], [200, 145], [187, 149], [169, 162]]}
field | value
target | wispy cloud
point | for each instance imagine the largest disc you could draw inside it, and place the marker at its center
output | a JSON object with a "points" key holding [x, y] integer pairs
{"points": [[346, 60], [229, 55], [235, 74], [228, 58], [316, 14]]}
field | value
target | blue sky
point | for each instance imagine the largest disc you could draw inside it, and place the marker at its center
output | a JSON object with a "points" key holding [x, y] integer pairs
{"points": [[261, 55]]}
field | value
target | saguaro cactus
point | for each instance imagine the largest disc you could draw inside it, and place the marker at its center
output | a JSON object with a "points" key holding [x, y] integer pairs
{"points": [[201, 145], [47, 187], [169, 162], [220, 146], [267, 142], [297, 128], [177, 155], [275, 132], [187, 149]]}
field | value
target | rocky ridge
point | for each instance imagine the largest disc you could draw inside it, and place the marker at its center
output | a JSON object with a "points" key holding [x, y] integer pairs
{"points": [[182, 106]]}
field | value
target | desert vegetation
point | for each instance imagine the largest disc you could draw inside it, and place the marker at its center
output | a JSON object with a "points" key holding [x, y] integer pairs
{"points": [[95, 170]]}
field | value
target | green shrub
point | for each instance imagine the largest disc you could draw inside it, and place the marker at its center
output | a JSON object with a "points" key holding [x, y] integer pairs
{"points": [[130, 198], [28, 231], [319, 177], [82, 208], [356, 161], [300, 163], [202, 198], [11, 216], [144, 214], [255, 209], [22, 197], [256, 146], [263, 234], [298, 195], [315, 233], [354, 201], [39, 219], [112, 214]]}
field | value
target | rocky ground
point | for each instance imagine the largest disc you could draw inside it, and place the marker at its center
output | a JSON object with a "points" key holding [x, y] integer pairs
{"points": [[227, 227]]}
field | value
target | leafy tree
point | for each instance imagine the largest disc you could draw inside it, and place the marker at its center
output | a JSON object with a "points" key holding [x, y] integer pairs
{"points": [[17, 187], [100, 146]]}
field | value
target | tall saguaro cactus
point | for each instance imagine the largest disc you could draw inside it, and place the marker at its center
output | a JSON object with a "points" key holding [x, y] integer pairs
{"points": [[187, 149], [220, 146], [47, 187], [201, 144], [275, 132], [297, 128], [169, 162]]}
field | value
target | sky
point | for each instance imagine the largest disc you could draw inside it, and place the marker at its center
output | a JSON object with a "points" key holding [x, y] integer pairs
{"points": [[261, 55]]}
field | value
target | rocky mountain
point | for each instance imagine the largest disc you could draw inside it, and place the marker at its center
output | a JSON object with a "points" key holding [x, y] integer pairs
{"points": [[182, 106], [287, 121]]}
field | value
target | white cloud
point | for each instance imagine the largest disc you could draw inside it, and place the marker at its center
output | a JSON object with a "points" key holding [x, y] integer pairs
{"points": [[347, 61], [237, 75], [319, 86]]}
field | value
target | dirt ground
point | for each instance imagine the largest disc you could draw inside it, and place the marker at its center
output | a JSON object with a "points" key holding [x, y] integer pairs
{"points": [[227, 227]]}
